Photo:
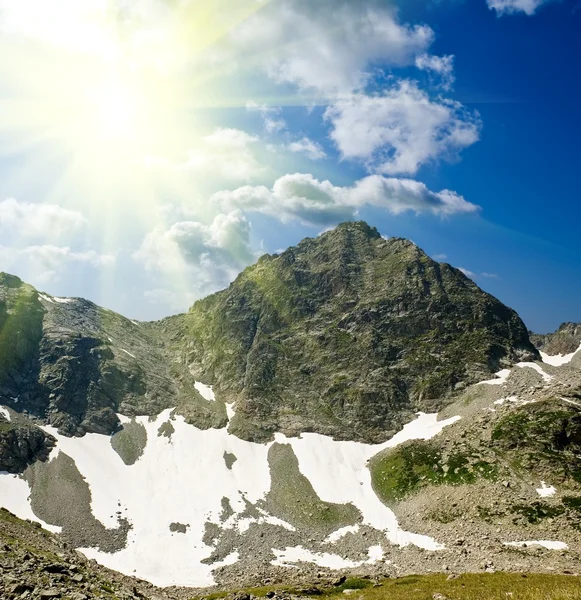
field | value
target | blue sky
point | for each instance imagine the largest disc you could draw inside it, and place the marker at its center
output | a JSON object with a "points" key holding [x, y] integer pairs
{"points": [[151, 150]]}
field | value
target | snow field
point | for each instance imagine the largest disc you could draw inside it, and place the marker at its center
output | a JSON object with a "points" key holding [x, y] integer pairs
{"points": [[182, 479]]}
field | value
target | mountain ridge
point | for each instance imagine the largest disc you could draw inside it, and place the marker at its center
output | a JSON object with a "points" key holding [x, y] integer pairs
{"points": [[346, 334]]}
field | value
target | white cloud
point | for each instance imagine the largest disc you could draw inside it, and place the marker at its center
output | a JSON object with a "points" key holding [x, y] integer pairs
{"points": [[273, 122], [207, 257], [303, 198], [226, 154], [309, 148], [38, 220], [325, 46], [442, 66], [402, 129], [503, 7], [45, 263]]}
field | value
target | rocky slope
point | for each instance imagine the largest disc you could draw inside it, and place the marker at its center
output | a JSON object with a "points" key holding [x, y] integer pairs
{"points": [[563, 341], [348, 335], [74, 365]]}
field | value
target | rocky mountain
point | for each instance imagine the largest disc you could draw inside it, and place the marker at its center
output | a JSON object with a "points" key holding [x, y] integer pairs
{"points": [[565, 340], [272, 434], [74, 365], [347, 334]]}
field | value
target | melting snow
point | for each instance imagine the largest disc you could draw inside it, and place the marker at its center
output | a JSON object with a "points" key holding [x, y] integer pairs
{"points": [[546, 491], [46, 298], [539, 370], [63, 300], [341, 533], [5, 413], [206, 391], [325, 462], [14, 496], [126, 352], [501, 378], [295, 554], [550, 545], [559, 360], [184, 478]]}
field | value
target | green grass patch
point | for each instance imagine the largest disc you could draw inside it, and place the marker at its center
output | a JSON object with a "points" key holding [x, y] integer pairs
{"points": [[395, 473]]}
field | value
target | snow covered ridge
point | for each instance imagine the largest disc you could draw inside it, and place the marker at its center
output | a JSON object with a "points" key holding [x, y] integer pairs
{"points": [[182, 478]]}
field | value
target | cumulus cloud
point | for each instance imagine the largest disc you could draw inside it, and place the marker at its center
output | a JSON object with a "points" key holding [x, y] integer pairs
{"points": [[227, 154], [507, 7], [442, 66], [38, 220], [324, 46], [208, 257], [400, 130], [45, 263], [303, 198], [309, 148]]}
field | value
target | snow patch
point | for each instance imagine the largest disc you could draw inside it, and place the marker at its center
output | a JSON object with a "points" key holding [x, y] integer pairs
{"points": [[230, 411], [501, 377], [127, 352], [14, 496], [548, 544], [558, 360], [63, 300], [297, 554], [546, 491], [325, 462], [341, 533], [46, 298], [205, 391], [4, 412], [531, 365]]}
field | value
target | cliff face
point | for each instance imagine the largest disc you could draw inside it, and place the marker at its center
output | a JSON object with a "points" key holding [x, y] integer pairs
{"points": [[347, 335]]}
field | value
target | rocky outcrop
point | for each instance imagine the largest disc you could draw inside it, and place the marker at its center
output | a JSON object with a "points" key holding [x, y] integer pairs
{"points": [[75, 365], [22, 445], [347, 335], [565, 340]]}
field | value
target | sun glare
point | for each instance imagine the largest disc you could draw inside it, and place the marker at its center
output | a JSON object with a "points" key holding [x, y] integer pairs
{"points": [[96, 87], [117, 108]]}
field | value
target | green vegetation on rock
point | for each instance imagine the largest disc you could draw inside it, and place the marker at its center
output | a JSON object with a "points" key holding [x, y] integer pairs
{"points": [[398, 472], [348, 335], [542, 436]]}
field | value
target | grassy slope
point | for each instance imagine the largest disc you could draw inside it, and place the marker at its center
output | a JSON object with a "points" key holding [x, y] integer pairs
{"points": [[470, 586]]}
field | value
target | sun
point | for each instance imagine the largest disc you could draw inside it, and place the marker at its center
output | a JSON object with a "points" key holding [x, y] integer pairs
{"points": [[117, 109], [98, 87]]}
